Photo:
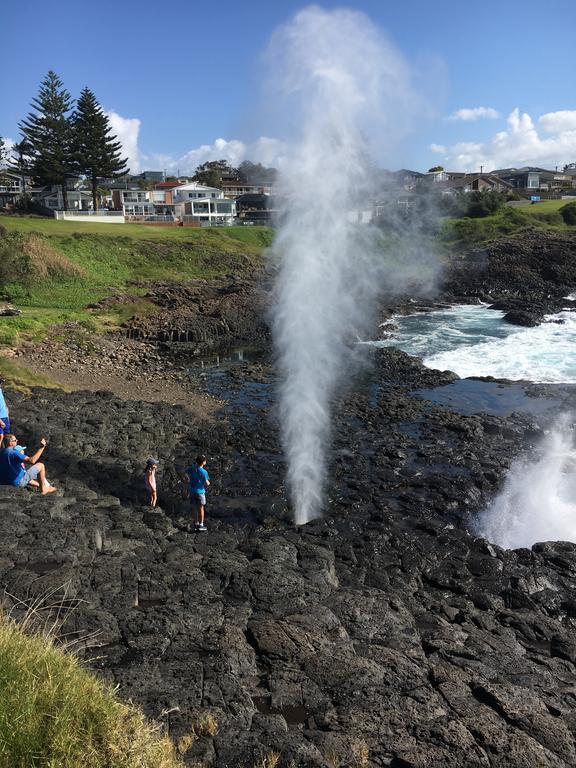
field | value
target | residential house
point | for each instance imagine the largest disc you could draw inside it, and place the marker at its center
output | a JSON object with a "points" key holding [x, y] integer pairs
{"points": [[201, 204], [256, 208], [533, 179], [233, 188], [78, 198], [133, 202], [148, 176], [192, 202], [10, 188], [403, 179]]}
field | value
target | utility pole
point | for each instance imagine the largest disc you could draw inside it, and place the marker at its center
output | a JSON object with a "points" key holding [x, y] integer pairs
{"points": [[481, 170]]}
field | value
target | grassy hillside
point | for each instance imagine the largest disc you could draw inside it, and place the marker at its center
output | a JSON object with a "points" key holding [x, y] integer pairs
{"points": [[507, 221], [54, 713], [52, 269]]}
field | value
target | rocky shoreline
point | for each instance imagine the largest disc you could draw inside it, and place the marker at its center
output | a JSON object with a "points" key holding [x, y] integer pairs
{"points": [[384, 634]]}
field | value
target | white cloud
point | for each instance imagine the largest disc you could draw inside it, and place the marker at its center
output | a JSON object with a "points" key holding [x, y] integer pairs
{"points": [[558, 122], [126, 129], [439, 148], [474, 113], [265, 150], [520, 144]]}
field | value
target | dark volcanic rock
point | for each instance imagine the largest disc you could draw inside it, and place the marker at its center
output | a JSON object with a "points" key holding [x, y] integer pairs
{"points": [[530, 271], [520, 317], [384, 634], [205, 315]]}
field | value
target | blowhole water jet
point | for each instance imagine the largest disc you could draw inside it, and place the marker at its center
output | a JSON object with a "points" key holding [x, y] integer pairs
{"points": [[538, 500], [344, 81]]}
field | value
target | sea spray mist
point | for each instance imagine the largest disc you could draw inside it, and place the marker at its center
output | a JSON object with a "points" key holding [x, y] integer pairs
{"points": [[538, 500]]}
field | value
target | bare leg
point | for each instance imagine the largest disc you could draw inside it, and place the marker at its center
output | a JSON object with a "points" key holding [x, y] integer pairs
{"points": [[201, 514], [34, 484], [45, 488]]}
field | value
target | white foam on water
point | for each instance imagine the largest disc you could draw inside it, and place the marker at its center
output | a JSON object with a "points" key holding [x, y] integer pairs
{"points": [[544, 354], [472, 340]]}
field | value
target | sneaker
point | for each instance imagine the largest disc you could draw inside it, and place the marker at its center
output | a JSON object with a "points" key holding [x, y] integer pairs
{"points": [[201, 527]]}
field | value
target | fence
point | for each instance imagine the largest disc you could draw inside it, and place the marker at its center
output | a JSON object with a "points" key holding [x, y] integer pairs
{"points": [[103, 216]]}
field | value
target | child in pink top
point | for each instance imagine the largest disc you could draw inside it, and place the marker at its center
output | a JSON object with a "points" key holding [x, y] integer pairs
{"points": [[150, 480]]}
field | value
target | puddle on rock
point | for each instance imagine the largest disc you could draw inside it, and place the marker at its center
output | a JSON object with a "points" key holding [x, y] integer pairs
{"points": [[472, 396]]}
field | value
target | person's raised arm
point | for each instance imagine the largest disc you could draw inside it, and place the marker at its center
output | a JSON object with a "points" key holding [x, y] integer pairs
{"points": [[33, 459]]}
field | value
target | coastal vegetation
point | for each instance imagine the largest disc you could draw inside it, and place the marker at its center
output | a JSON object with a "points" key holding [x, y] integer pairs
{"points": [[52, 270], [53, 712]]}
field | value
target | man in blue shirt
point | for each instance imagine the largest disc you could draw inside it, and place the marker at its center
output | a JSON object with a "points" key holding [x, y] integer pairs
{"points": [[14, 472], [4, 416], [199, 481]]}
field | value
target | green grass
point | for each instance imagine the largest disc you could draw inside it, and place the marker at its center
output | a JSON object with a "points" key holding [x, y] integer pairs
{"points": [[545, 206], [50, 227], [22, 379], [507, 221], [88, 262], [56, 714]]}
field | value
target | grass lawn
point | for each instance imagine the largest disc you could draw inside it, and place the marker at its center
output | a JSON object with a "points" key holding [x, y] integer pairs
{"points": [[73, 264], [46, 226], [544, 206]]}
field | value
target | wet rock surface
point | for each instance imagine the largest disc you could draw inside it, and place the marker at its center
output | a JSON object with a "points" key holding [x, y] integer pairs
{"points": [[526, 275], [384, 634], [205, 315]]}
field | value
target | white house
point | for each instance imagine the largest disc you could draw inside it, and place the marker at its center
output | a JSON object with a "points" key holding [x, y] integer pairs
{"points": [[202, 204], [192, 202], [195, 191]]}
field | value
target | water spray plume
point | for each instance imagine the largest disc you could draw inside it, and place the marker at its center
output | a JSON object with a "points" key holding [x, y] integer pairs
{"points": [[537, 502], [344, 81]]}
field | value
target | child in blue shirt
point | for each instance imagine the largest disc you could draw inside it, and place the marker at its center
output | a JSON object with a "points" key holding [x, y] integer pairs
{"points": [[199, 481]]}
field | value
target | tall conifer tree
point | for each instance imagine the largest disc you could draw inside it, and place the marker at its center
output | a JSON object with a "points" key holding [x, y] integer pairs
{"points": [[97, 153], [49, 132], [21, 162]]}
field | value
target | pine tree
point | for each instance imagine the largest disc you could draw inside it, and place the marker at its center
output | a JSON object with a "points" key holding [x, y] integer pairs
{"points": [[97, 153], [3, 158], [49, 132], [21, 162]]}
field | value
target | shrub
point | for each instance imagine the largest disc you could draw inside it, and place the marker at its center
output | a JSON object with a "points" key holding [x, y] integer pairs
{"points": [[568, 213]]}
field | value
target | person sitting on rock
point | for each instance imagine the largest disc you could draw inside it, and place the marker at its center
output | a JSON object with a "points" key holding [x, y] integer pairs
{"points": [[199, 481], [12, 471], [4, 416], [150, 480]]}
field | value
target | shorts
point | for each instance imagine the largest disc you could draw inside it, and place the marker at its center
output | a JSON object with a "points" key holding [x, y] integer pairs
{"points": [[198, 499], [6, 429], [31, 474]]}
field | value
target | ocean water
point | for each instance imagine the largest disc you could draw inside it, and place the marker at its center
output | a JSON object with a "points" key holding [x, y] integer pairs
{"points": [[537, 501], [472, 340]]}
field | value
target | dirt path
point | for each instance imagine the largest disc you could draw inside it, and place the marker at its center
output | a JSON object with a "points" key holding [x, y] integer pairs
{"points": [[132, 370]]}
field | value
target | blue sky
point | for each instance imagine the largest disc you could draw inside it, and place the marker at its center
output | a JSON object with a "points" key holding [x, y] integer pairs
{"points": [[183, 82]]}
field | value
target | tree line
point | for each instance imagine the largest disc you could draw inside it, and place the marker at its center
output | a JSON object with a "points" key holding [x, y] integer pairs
{"points": [[63, 138]]}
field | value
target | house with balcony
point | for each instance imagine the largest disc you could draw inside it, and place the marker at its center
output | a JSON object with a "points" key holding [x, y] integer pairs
{"points": [[10, 188], [533, 179], [200, 204], [191, 202], [133, 202], [233, 188]]}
